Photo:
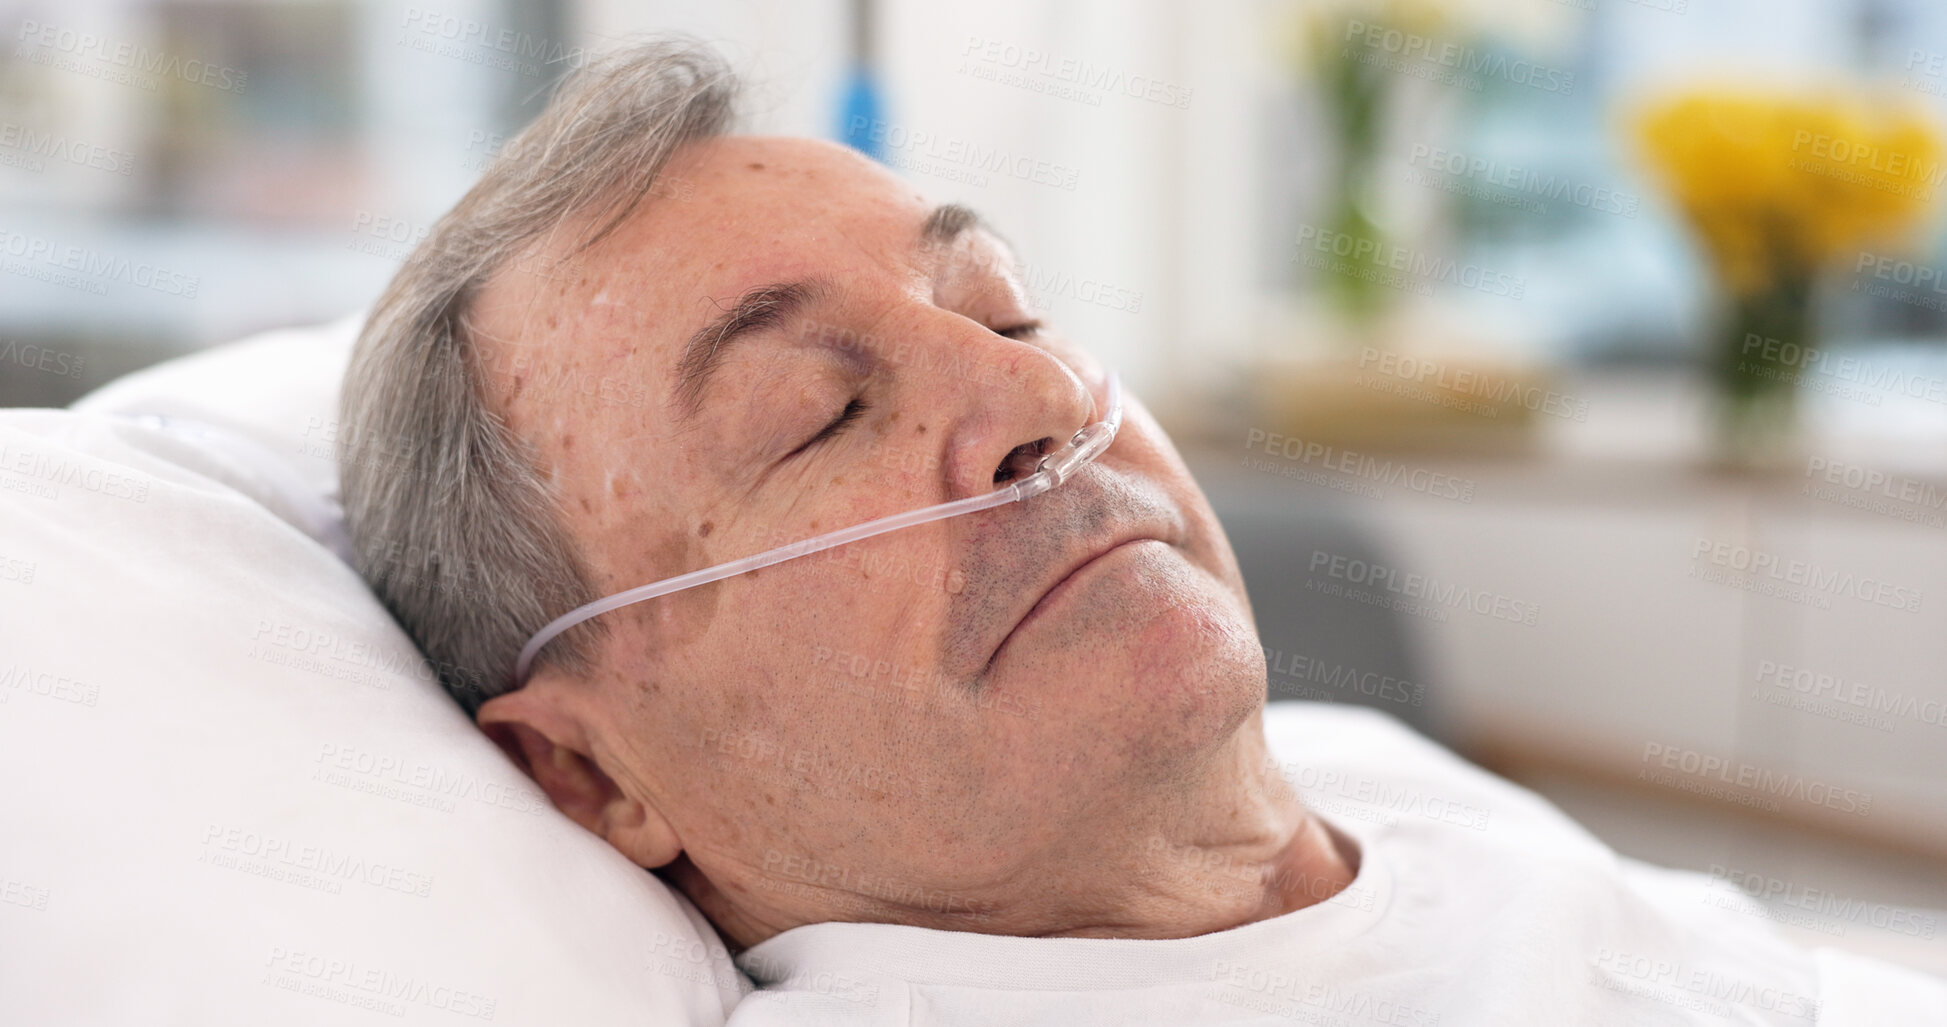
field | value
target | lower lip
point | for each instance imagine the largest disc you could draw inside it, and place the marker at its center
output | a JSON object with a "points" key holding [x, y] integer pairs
{"points": [[1070, 583]]}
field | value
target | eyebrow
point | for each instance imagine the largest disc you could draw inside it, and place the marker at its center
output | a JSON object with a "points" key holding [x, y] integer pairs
{"points": [[947, 222], [765, 307], [770, 306]]}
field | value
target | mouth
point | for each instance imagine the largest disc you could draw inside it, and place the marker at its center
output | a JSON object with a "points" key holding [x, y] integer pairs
{"points": [[1071, 581]]}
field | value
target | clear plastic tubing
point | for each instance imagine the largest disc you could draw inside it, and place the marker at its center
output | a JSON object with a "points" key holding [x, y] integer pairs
{"points": [[1054, 468]]}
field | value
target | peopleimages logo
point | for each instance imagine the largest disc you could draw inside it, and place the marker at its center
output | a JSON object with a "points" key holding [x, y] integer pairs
{"points": [[1300, 669], [1792, 363], [1318, 785], [1423, 588], [40, 358], [1698, 987], [450, 35], [1472, 382], [1822, 903], [97, 265], [46, 473], [249, 851], [923, 151], [1694, 766], [1875, 482], [1450, 62], [1086, 80], [369, 987], [131, 57], [1361, 467], [1818, 688], [1397, 266], [1840, 151], [349, 766], [1523, 182], [38, 146], [1800, 575]]}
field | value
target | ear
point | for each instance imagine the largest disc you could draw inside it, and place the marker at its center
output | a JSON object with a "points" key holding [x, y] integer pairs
{"points": [[543, 726]]}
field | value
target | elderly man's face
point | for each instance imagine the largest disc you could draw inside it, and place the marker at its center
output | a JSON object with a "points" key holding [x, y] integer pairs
{"points": [[945, 717]]}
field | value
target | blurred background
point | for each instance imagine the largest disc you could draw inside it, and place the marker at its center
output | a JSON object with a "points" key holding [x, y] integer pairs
{"points": [[1571, 375]]}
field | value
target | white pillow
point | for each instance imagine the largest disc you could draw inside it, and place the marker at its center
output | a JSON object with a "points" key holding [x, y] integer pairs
{"points": [[235, 792], [279, 389]]}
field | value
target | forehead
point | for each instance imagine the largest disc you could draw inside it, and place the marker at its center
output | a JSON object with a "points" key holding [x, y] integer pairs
{"points": [[733, 213], [781, 171], [726, 215]]}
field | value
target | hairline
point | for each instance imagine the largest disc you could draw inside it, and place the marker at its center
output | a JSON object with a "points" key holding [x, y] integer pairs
{"points": [[427, 466]]}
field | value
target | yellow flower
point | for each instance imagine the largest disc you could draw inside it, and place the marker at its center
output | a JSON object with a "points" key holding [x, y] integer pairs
{"points": [[1777, 184]]}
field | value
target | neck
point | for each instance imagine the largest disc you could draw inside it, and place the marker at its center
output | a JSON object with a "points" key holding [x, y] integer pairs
{"points": [[1241, 849], [1232, 847]]}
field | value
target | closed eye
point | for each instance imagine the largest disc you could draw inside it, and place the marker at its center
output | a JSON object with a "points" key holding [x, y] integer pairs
{"points": [[1019, 331], [845, 417]]}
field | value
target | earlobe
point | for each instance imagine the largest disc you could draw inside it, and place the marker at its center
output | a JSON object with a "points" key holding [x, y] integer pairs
{"points": [[548, 740]]}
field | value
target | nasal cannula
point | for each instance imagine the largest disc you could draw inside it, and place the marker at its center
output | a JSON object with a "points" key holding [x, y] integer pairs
{"points": [[1053, 469]]}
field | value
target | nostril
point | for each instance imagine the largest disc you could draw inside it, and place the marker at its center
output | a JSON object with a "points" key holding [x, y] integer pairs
{"points": [[1021, 460]]}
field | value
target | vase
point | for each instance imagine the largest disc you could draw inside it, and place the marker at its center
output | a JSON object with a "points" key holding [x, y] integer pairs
{"points": [[1765, 348], [1357, 99]]}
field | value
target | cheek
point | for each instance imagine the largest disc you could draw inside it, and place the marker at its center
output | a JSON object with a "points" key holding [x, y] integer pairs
{"points": [[714, 754], [1156, 457], [791, 730], [834, 645], [1210, 549], [636, 547]]}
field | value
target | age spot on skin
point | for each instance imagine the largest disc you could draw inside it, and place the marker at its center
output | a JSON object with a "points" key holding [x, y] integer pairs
{"points": [[703, 530], [684, 617]]}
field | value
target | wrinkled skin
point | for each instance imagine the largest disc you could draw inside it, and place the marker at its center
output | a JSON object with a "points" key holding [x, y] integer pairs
{"points": [[881, 732]]}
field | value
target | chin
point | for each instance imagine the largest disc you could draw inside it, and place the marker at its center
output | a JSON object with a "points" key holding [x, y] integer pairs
{"points": [[1203, 661], [1161, 656]]}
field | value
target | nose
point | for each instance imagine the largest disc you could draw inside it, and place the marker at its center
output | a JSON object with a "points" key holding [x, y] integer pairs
{"points": [[1026, 403]]}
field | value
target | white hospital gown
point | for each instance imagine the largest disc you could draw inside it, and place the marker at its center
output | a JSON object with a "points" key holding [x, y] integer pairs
{"points": [[1476, 902]]}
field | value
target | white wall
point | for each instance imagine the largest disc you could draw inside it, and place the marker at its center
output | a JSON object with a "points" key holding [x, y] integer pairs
{"points": [[1145, 259]]}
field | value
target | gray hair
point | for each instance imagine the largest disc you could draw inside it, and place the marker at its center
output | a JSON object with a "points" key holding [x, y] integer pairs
{"points": [[451, 523]]}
